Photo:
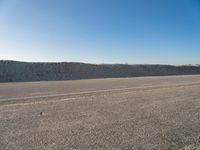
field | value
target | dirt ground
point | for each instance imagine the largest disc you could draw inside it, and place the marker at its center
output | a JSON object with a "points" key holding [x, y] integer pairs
{"points": [[149, 118]]}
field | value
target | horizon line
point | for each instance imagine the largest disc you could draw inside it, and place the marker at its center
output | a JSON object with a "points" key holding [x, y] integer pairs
{"points": [[100, 63]]}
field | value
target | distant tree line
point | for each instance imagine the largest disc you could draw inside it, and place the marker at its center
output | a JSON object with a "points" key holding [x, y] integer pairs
{"points": [[13, 71]]}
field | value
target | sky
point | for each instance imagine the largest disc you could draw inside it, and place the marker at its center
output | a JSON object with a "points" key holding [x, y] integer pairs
{"points": [[101, 31]]}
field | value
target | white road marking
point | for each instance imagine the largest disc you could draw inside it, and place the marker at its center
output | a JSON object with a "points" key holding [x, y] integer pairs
{"points": [[42, 102], [96, 91], [55, 95]]}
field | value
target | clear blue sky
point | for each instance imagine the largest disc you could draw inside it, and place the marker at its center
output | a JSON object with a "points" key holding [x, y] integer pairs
{"points": [[101, 31]]}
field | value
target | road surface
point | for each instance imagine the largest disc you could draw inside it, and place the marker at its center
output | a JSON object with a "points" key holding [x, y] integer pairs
{"points": [[123, 113]]}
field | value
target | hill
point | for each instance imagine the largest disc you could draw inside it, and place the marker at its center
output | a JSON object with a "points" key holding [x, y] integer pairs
{"points": [[14, 71]]}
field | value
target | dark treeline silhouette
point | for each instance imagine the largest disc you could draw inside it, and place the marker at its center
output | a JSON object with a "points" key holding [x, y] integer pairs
{"points": [[14, 71]]}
